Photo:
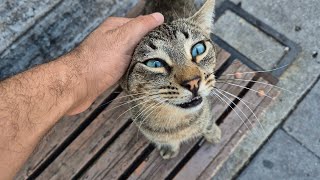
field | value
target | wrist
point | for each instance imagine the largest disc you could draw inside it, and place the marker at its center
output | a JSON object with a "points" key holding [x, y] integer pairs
{"points": [[79, 86]]}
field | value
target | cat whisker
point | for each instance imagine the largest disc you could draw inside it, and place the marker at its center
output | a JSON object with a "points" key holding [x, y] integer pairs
{"points": [[134, 119], [139, 104], [219, 97], [175, 12], [236, 106], [232, 95], [245, 88], [131, 101], [144, 110], [241, 100], [263, 51], [152, 109], [268, 84], [184, 11], [255, 72], [122, 98]]}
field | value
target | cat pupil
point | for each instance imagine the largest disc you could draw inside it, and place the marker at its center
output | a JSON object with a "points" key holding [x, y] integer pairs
{"points": [[154, 64], [198, 49], [157, 64]]}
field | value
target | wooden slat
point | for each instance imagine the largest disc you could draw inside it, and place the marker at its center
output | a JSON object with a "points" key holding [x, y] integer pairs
{"points": [[57, 136], [118, 157], [155, 167], [222, 56], [89, 142], [221, 158], [231, 126]]}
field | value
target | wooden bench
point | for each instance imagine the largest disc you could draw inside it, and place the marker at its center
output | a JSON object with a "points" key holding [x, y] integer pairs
{"points": [[103, 143]]}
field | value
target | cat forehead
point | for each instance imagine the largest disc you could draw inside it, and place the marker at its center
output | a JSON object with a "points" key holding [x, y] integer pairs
{"points": [[170, 31], [170, 38]]}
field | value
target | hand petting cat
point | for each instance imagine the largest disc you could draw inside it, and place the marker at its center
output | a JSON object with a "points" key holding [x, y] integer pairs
{"points": [[33, 101], [106, 54]]}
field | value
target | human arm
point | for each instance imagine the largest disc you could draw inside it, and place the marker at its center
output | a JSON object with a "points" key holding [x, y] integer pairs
{"points": [[33, 101]]}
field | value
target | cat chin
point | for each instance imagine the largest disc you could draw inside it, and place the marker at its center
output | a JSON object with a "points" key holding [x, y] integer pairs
{"points": [[194, 109]]}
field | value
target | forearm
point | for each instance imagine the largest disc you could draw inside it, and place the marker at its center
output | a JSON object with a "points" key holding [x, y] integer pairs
{"points": [[30, 104]]}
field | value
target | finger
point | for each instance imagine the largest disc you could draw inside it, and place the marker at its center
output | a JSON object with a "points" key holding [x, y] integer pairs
{"points": [[133, 31], [113, 23]]}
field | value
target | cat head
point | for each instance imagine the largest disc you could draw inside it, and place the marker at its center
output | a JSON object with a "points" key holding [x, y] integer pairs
{"points": [[174, 64]]}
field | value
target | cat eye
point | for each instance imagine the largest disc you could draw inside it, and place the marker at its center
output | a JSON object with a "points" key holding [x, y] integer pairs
{"points": [[198, 49], [154, 63]]}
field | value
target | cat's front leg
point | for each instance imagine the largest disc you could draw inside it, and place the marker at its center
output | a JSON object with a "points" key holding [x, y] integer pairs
{"points": [[168, 151], [212, 134]]}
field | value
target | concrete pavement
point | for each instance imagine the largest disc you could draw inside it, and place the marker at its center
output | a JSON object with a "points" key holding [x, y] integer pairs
{"points": [[292, 148]]}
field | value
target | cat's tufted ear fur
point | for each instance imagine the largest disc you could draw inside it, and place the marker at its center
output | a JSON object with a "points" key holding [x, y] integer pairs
{"points": [[204, 17]]}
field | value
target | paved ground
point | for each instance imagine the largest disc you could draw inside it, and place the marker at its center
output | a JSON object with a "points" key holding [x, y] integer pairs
{"points": [[32, 32], [292, 151], [35, 32]]}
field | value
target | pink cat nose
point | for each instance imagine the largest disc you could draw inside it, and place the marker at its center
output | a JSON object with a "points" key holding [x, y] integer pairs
{"points": [[192, 85]]}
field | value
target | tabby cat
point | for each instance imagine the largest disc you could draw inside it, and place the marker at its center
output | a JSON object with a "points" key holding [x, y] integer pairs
{"points": [[172, 75]]}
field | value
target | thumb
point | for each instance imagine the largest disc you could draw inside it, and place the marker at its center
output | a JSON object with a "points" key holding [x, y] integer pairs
{"points": [[133, 31]]}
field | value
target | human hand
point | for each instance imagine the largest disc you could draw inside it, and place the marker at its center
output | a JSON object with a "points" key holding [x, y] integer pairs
{"points": [[103, 57]]}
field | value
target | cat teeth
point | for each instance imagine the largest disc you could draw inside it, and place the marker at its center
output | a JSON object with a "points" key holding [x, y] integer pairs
{"points": [[192, 102], [193, 99], [196, 98]]}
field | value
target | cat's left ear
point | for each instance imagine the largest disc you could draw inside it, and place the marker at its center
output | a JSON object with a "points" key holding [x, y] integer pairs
{"points": [[204, 17]]}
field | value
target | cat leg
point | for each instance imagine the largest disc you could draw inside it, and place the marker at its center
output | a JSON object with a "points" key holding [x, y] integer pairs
{"points": [[168, 151], [212, 134]]}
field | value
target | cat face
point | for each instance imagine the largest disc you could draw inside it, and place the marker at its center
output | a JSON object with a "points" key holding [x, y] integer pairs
{"points": [[174, 64]]}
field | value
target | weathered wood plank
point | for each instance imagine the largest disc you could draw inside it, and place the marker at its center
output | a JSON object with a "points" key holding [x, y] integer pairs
{"points": [[222, 157], [222, 56], [57, 136], [154, 167], [231, 125], [119, 156], [89, 142]]}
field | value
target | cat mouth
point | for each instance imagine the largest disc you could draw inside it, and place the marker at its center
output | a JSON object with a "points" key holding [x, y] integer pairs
{"points": [[192, 103]]}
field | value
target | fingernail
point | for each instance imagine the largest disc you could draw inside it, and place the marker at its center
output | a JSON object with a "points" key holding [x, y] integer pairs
{"points": [[158, 16]]}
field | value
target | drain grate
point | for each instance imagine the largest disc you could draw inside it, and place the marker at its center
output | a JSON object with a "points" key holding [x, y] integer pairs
{"points": [[292, 48]]}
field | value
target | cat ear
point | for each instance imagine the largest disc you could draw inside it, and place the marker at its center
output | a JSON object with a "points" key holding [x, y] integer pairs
{"points": [[204, 17]]}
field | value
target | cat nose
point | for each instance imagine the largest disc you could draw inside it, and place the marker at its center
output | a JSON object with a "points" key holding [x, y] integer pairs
{"points": [[192, 85]]}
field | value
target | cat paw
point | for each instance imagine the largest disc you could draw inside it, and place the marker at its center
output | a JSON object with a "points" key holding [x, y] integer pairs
{"points": [[213, 136], [168, 151]]}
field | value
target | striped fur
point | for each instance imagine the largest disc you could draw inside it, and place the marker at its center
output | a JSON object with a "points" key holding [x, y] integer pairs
{"points": [[157, 93]]}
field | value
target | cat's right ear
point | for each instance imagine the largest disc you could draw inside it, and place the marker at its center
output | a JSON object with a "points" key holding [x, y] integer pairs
{"points": [[204, 17]]}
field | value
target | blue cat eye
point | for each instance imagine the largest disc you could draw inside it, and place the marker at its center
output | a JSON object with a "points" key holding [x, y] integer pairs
{"points": [[153, 63], [198, 49]]}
